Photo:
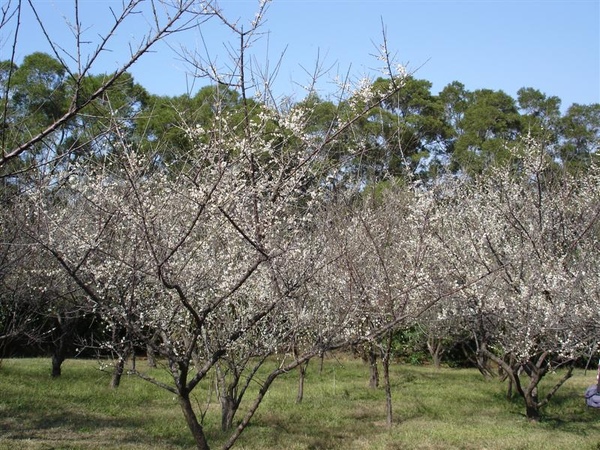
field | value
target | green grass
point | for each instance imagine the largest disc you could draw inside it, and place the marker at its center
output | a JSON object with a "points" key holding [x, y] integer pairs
{"points": [[434, 409]]}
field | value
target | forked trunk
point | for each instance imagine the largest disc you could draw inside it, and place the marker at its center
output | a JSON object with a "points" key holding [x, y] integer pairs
{"points": [[228, 410], [532, 403], [532, 409], [512, 363], [436, 359], [192, 422], [436, 349], [535, 369], [482, 358], [483, 365], [227, 390]]}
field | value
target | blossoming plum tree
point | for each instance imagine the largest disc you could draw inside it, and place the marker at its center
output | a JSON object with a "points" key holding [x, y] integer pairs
{"points": [[202, 262], [532, 229]]}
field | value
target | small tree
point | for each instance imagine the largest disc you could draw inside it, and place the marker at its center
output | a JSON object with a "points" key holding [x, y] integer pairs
{"points": [[388, 263]]}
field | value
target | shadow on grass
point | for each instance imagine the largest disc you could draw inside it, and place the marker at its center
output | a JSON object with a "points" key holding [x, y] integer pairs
{"points": [[582, 421], [566, 412], [81, 426]]}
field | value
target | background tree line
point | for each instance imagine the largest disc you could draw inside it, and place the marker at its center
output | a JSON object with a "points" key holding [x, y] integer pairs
{"points": [[413, 132]]}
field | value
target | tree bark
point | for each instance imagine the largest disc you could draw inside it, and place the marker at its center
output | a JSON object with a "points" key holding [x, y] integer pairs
{"points": [[117, 373], [385, 361], [373, 370], [532, 408], [192, 421], [436, 349], [532, 403], [57, 359], [388, 392], [322, 361], [301, 378], [509, 389], [62, 333], [150, 356], [227, 392], [228, 410]]}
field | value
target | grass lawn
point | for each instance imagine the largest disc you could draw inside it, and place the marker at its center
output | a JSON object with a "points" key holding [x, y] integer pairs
{"points": [[434, 409]]}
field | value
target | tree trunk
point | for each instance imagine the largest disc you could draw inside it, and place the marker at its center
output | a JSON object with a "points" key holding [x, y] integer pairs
{"points": [[227, 391], [61, 334], [484, 366], [151, 357], [388, 390], [509, 389], [228, 410], [192, 421], [385, 361], [57, 359], [322, 361], [532, 408], [516, 368], [482, 356], [301, 374], [301, 377], [436, 349], [532, 403], [374, 372], [117, 373]]}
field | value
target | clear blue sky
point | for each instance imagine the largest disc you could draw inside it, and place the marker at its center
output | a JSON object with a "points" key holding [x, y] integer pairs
{"points": [[550, 45]]}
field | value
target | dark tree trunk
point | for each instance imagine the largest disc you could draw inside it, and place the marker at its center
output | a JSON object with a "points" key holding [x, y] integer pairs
{"points": [[57, 359], [117, 373], [532, 406], [373, 370], [532, 403], [483, 364], [528, 394], [321, 362], [385, 361], [388, 391], [301, 378], [509, 389], [481, 359], [61, 334], [192, 422]]}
